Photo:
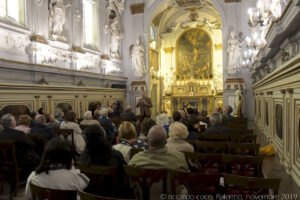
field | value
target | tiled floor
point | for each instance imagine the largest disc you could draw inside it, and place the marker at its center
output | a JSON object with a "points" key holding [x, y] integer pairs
{"points": [[271, 168]]}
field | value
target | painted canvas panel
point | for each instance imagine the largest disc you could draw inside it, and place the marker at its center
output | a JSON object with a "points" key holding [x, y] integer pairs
{"points": [[194, 55], [154, 59]]}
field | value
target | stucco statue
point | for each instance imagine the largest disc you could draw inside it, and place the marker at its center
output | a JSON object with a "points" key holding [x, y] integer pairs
{"points": [[57, 18], [234, 53], [117, 5], [239, 98], [115, 38], [137, 53]]}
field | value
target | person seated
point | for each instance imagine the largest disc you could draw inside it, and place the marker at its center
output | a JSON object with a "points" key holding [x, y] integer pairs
{"points": [[128, 115], [98, 151], [40, 128], [193, 129], [176, 116], [42, 111], [51, 122], [104, 118], [158, 156], [227, 113], [70, 123], [204, 114], [59, 115], [128, 140], [183, 118], [97, 114], [190, 112], [33, 114], [26, 157], [56, 170], [88, 119], [145, 127], [163, 120], [177, 135], [216, 125], [24, 124], [219, 110]]}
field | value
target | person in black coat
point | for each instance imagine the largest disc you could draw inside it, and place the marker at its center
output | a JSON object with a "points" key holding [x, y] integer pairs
{"points": [[128, 115], [26, 157], [216, 125], [40, 127], [98, 151]]}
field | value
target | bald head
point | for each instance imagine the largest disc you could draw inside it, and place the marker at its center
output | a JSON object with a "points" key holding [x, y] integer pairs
{"points": [[157, 137]]}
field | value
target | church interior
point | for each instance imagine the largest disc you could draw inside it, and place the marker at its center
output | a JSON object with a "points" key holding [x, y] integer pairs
{"points": [[149, 99]]}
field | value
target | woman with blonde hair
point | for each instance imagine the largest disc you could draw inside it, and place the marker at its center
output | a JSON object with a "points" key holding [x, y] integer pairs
{"points": [[177, 135], [128, 140], [24, 124]]}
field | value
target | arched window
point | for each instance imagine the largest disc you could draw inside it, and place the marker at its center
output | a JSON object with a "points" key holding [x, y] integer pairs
{"points": [[13, 11], [90, 32]]}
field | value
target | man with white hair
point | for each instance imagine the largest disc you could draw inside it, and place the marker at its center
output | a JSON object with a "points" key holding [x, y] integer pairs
{"points": [[216, 125], [88, 119], [158, 156], [103, 119], [40, 128]]}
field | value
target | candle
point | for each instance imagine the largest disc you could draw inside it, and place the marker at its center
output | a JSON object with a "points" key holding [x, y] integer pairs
{"points": [[250, 13]]}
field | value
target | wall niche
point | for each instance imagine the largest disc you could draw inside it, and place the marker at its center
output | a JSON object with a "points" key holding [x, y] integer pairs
{"points": [[278, 120]]}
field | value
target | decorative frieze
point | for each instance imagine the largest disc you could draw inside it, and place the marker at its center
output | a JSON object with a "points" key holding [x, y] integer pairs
{"points": [[13, 43]]}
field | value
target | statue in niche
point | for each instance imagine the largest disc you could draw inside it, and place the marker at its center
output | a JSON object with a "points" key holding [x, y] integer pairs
{"points": [[239, 98], [137, 53], [234, 53], [57, 18], [115, 38]]}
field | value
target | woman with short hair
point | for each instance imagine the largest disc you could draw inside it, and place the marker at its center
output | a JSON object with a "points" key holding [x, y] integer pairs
{"points": [[88, 119], [128, 140], [24, 123], [56, 170], [177, 135]]}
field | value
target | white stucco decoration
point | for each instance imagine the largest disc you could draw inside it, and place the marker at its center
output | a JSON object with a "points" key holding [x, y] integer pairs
{"points": [[115, 38], [137, 53], [234, 53]]}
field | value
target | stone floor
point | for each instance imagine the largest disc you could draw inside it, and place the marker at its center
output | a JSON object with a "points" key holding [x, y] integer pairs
{"points": [[271, 169]]}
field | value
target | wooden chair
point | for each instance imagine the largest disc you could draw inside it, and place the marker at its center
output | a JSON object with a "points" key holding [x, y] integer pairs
{"points": [[103, 179], [243, 149], [134, 151], [242, 131], [243, 138], [9, 166], [210, 147], [250, 166], [39, 193], [195, 183], [87, 196], [204, 162], [240, 185], [39, 143], [216, 137], [144, 179]]}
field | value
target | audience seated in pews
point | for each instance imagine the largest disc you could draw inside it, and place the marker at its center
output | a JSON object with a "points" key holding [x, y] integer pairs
{"points": [[104, 118], [158, 156], [24, 124], [26, 157], [204, 114], [51, 121], [88, 119], [128, 140], [145, 127], [59, 115], [128, 115], [216, 125], [227, 113], [193, 128], [177, 135], [56, 170], [39, 127], [163, 120], [70, 123]]}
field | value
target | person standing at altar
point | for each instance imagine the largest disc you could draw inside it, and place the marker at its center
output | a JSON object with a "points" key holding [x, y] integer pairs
{"points": [[145, 105]]}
